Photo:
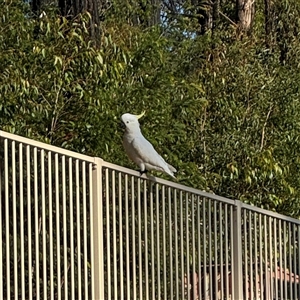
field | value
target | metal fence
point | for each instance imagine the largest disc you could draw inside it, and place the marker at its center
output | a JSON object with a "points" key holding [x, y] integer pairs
{"points": [[271, 255], [77, 227], [50, 223]]}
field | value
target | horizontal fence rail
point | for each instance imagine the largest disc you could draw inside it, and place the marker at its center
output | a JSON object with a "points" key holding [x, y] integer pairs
{"points": [[77, 227]]}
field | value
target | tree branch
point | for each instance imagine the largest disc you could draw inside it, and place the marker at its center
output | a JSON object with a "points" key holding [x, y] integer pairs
{"points": [[263, 129], [228, 19]]}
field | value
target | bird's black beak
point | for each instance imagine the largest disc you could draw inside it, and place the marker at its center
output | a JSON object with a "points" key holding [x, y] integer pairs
{"points": [[122, 125]]}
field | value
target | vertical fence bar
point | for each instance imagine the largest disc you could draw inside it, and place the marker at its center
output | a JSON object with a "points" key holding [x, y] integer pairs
{"points": [[200, 241], [58, 228], [187, 245], [267, 296], [298, 259], [251, 291], [276, 258], [215, 234], [193, 280], [232, 251], [107, 196], [204, 248], [14, 203], [271, 237], [158, 241], [93, 185], [261, 277], [280, 259], [226, 255], [290, 269], [50, 225], [198, 222], [284, 260], [133, 212], [78, 221], [28, 174], [221, 250], [6, 178], [84, 213], [121, 235], [176, 244], [152, 242], [114, 228], [237, 254], [210, 250], [71, 222], [97, 268], [181, 246], [171, 244], [140, 239], [44, 246], [127, 237], [1, 231], [255, 255], [36, 223], [121, 232], [146, 240], [246, 281], [65, 245], [295, 264], [164, 242]]}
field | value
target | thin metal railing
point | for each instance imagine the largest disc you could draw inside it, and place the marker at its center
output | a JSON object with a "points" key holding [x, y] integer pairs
{"points": [[77, 227]]}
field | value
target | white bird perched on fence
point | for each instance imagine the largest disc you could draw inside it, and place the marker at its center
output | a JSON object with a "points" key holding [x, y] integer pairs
{"points": [[140, 150]]}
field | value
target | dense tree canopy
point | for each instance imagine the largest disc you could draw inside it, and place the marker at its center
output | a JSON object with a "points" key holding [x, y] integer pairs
{"points": [[222, 102]]}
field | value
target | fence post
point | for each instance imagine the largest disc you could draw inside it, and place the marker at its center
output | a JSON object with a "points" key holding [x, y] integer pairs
{"points": [[237, 284], [97, 266]]}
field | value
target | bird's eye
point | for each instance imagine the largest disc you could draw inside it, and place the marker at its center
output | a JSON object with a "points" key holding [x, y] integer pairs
{"points": [[127, 122]]}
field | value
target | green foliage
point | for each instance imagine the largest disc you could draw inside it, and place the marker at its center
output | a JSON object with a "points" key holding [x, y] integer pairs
{"points": [[225, 112]]}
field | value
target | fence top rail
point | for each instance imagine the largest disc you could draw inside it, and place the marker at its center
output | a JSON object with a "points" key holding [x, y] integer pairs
{"points": [[45, 146], [168, 183], [269, 213], [124, 170]]}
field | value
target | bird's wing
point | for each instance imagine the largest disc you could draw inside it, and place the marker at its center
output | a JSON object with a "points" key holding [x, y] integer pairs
{"points": [[172, 168], [147, 153]]}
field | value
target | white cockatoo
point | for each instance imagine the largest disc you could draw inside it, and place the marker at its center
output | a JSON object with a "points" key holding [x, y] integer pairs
{"points": [[139, 150]]}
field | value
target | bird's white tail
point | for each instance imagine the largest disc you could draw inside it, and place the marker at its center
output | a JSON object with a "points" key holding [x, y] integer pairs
{"points": [[170, 170]]}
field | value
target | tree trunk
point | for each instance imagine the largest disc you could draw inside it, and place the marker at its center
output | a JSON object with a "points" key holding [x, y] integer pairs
{"points": [[205, 20], [93, 9], [208, 12], [35, 6], [156, 12], [150, 13], [268, 23], [216, 9], [72, 8], [245, 14], [66, 8], [205, 11]]}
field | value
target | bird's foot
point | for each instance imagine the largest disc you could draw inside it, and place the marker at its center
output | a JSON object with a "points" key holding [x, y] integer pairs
{"points": [[143, 172]]}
